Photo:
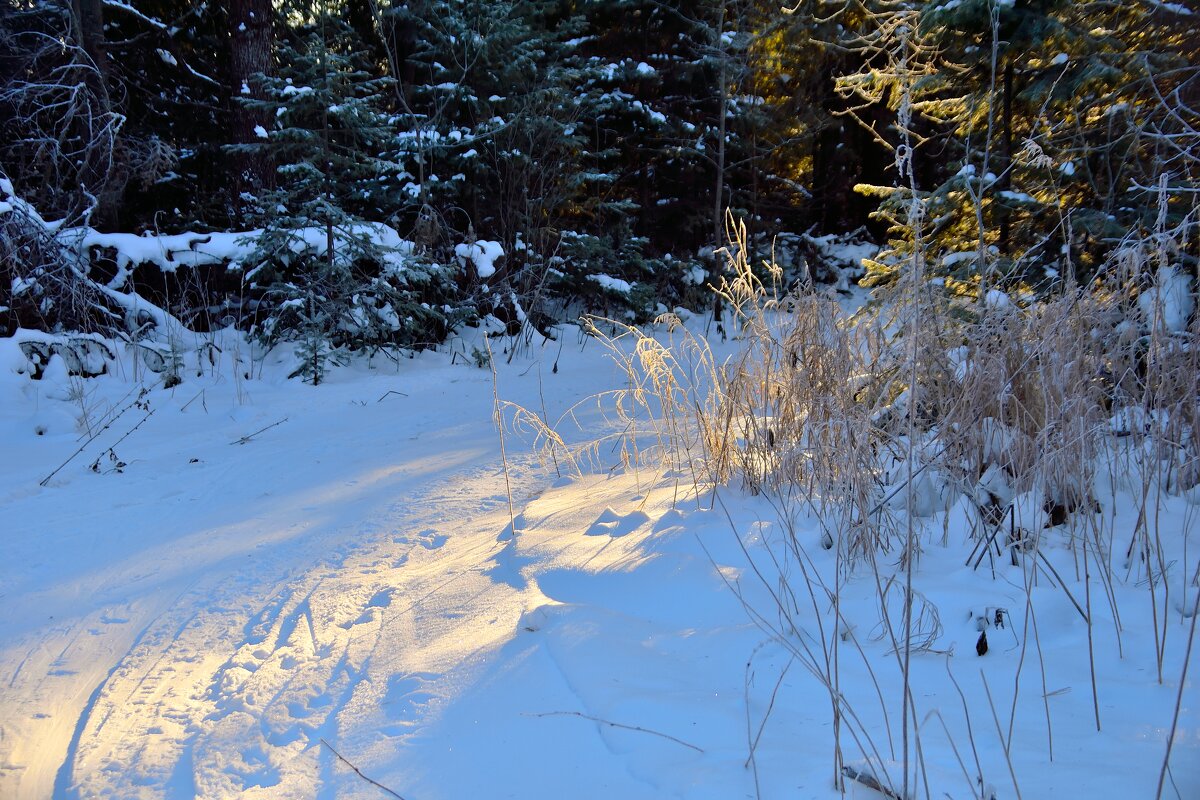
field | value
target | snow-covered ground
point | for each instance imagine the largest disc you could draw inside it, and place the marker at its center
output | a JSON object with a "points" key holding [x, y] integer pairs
{"points": [[245, 585]]}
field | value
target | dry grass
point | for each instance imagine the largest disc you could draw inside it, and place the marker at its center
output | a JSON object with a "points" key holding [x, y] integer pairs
{"points": [[1020, 416]]}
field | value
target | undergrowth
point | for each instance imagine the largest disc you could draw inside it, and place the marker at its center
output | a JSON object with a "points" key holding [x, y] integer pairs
{"points": [[1034, 425]]}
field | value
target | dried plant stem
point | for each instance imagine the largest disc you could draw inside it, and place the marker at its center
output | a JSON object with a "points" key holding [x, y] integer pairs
{"points": [[512, 517], [1087, 589], [621, 725], [967, 718], [359, 772], [1187, 656], [1000, 734], [46, 480]]}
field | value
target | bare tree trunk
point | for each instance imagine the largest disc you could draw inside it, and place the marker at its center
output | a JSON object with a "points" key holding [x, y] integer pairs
{"points": [[1006, 178], [326, 149], [722, 126], [718, 200], [89, 22], [97, 203], [250, 31]]}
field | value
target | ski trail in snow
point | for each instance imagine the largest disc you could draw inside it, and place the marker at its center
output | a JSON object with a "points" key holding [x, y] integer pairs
{"points": [[252, 619], [232, 686]]}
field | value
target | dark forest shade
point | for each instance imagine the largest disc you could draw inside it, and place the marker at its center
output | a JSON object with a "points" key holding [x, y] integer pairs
{"points": [[609, 137]]}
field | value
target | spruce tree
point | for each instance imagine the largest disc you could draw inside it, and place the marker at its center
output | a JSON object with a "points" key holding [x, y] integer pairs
{"points": [[491, 138], [325, 269]]}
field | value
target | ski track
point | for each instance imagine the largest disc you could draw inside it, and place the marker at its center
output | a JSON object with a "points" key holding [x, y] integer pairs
{"points": [[226, 684], [273, 669], [202, 624]]}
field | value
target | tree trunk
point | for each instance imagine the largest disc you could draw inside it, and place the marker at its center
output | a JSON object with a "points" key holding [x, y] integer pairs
{"points": [[250, 31], [95, 173], [718, 220], [722, 124], [1006, 177], [89, 21]]}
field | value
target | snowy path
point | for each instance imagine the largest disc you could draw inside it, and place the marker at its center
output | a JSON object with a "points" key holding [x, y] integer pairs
{"points": [[156, 637], [242, 676], [216, 619]]}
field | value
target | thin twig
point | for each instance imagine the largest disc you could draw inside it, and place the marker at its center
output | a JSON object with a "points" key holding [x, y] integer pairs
{"points": [[1187, 656], [1066, 591], [127, 433], [391, 392], [770, 708], [499, 420], [967, 717], [611, 724], [250, 436], [1012, 773], [92, 438], [189, 402], [358, 771]]}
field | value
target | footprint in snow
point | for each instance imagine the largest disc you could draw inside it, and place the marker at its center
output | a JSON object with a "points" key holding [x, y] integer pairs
{"points": [[432, 540], [516, 526], [407, 696], [379, 600]]}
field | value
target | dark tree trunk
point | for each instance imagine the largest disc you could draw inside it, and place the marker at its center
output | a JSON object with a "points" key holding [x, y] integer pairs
{"points": [[95, 172], [1006, 177], [89, 19], [250, 32], [362, 18]]}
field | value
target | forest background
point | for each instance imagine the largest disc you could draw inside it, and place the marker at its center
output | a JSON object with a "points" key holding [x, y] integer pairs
{"points": [[597, 145]]}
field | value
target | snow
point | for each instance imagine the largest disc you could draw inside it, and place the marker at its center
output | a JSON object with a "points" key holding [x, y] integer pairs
{"points": [[1015, 197], [953, 259], [170, 251], [1169, 303], [128, 9], [243, 580], [695, 275], [482, 254], [610, 283], [1175, 8], [844, 255], [261, 132], [997, 299]]}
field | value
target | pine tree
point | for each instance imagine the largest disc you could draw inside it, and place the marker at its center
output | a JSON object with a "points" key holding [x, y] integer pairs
{"points": [[323, 265], [492, 141]]}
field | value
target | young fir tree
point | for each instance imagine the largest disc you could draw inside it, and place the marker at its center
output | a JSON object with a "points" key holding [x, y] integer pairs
{"points": [[647, 78], [492, 138], [328, 273]]}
